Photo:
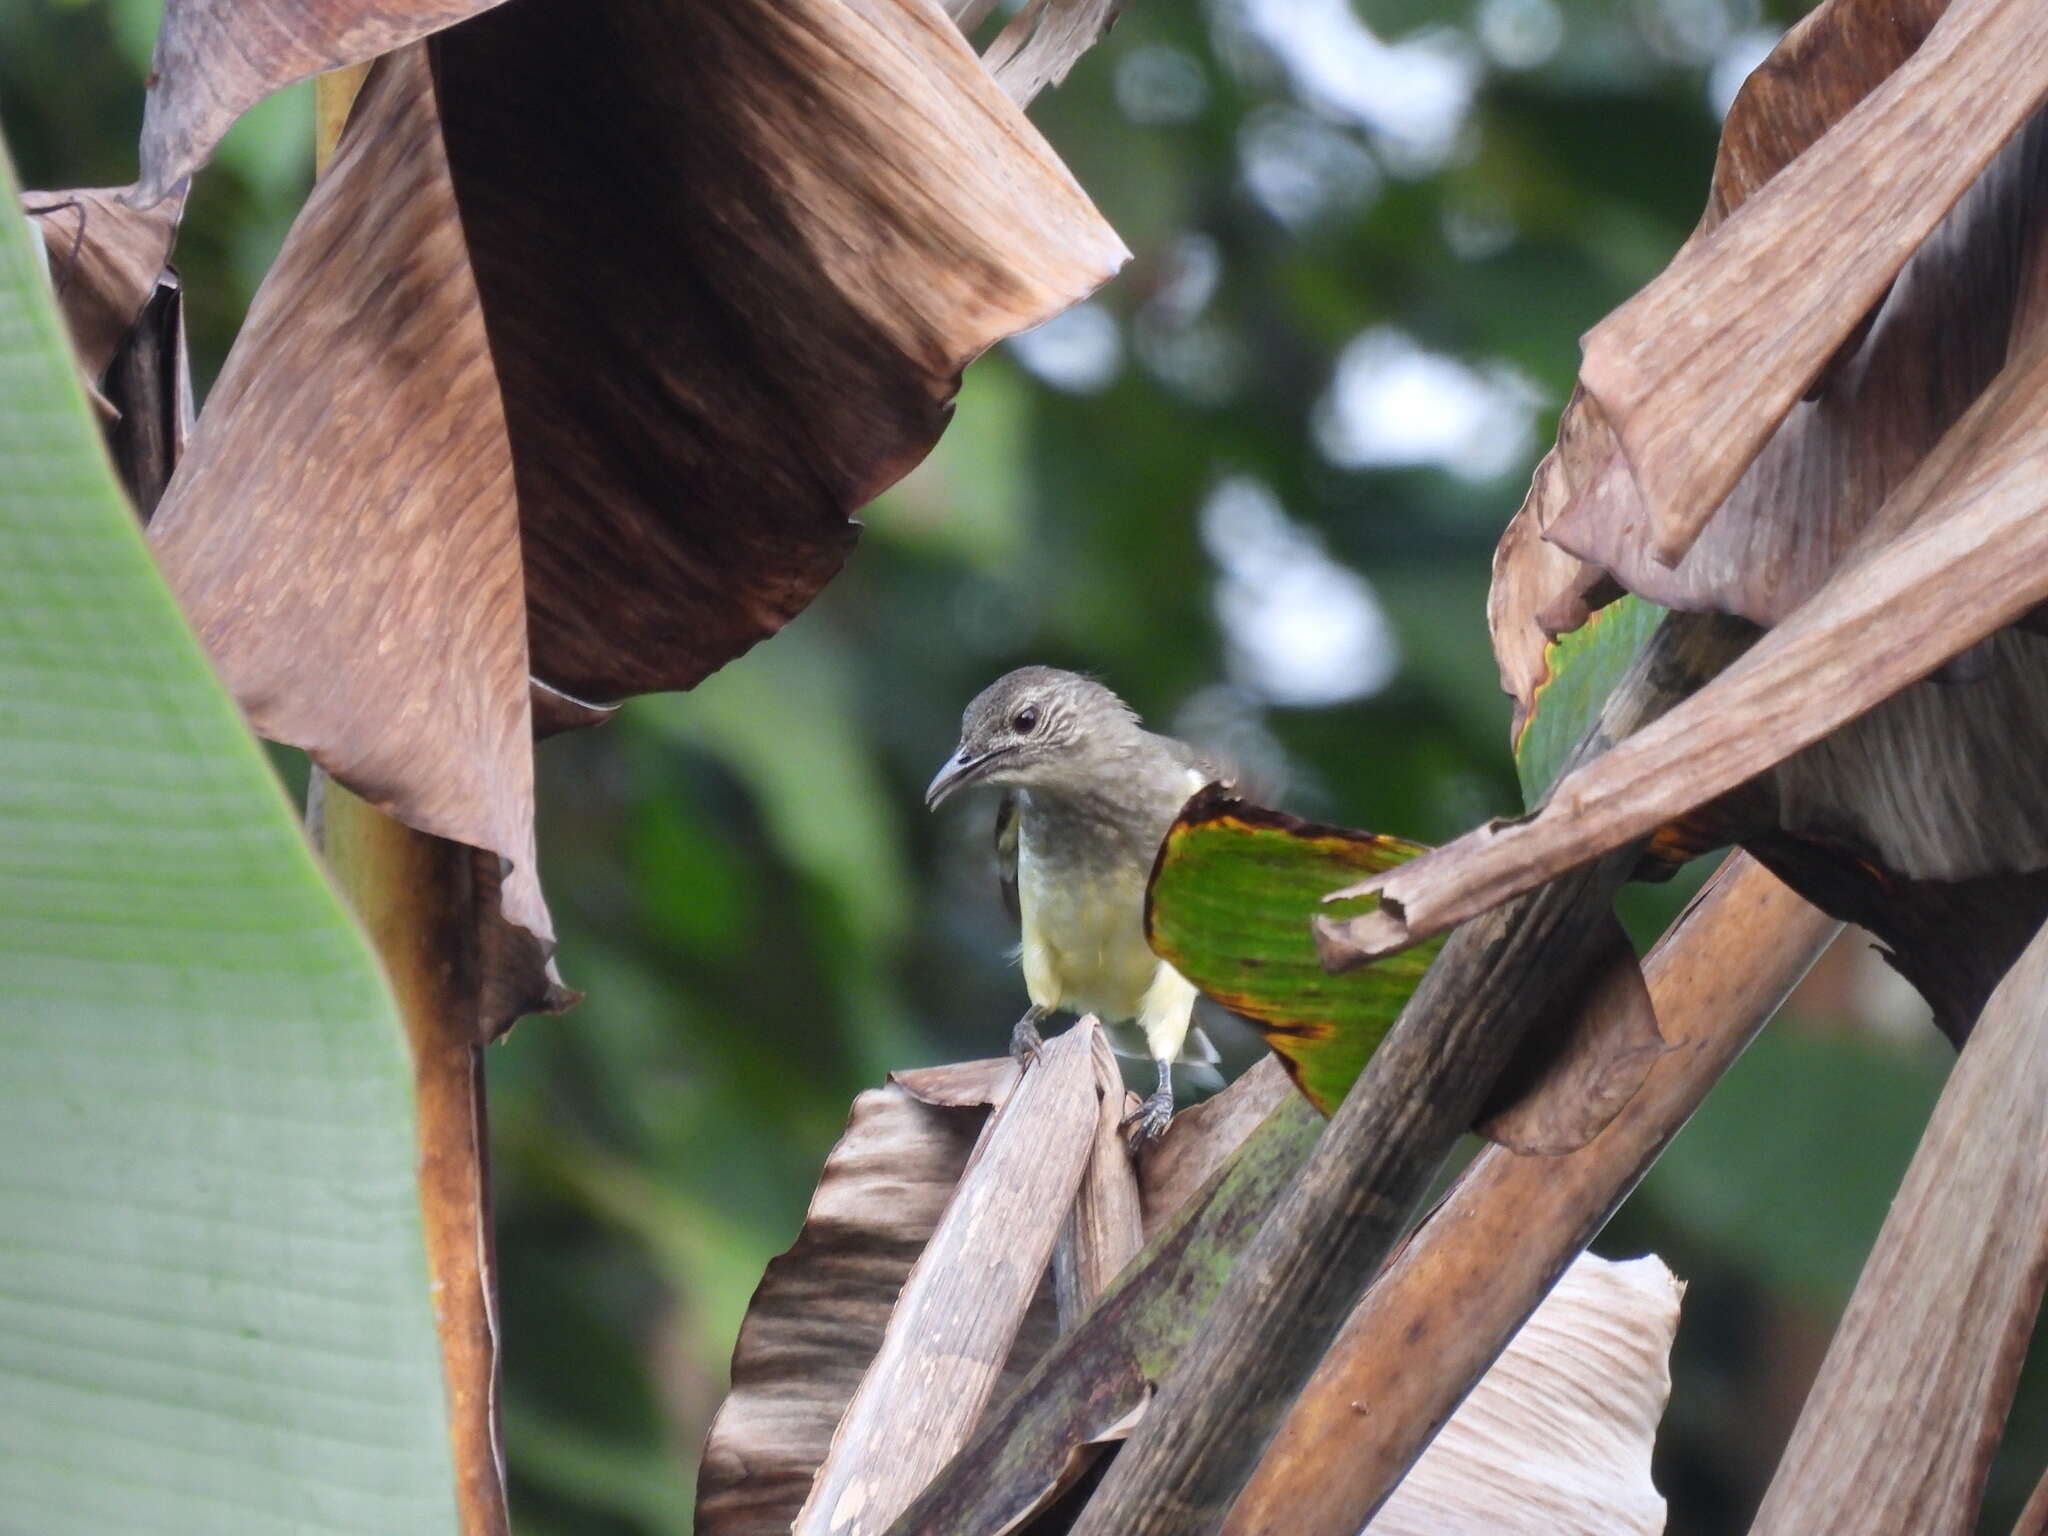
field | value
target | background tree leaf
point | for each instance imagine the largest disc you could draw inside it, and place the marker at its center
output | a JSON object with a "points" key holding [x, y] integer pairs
{"points": [[216, 1311]]}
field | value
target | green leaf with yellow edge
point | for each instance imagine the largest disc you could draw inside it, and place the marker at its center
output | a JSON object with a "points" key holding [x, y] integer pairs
{"points": [[1585, 664], [1229, 905]]}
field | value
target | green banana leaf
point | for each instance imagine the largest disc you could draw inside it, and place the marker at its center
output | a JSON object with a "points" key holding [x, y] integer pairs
{"points": [[1229, 906], [214, 1314], [1235, 883], [1585, 664]]}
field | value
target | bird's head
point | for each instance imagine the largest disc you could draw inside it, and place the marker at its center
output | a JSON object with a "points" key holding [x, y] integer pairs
{"points": [[1037, 727]]}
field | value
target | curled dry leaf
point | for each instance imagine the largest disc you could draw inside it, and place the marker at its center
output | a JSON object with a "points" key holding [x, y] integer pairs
{"points": [[215, 59], [1822, 68], [1556, 1438], [343, 529], [105, 257], [723, 327], [1973, 559], [819, 1314], [1575, 1071], [577, 362], [1898, 1432], [1697, 370]]}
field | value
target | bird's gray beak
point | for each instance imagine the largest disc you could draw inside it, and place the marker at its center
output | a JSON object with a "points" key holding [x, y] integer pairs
{"points": [[960, 767]]}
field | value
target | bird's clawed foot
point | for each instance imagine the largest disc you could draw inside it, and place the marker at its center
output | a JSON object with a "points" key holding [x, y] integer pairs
{"points": [[1148, 1122], [1025, 1040]]}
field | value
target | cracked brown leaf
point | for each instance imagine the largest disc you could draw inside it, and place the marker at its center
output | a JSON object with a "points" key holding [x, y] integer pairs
{"points": [[1042, 42], [576, 364]]}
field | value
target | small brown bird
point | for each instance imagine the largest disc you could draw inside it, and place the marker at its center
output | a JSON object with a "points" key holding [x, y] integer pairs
{"points": [[1089, 796]]}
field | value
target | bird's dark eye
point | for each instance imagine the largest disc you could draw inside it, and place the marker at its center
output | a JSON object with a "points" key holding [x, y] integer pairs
{"points": [[1026, 720]]}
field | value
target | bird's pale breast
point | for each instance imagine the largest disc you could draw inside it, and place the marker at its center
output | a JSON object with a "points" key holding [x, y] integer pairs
{"points": [[1084, 940]]}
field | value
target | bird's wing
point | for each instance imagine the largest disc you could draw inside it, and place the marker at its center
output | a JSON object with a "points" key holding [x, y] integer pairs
{"points": [[1006, 854], [1213, 767]]}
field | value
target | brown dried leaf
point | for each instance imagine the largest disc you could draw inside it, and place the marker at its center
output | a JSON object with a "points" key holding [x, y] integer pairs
{"points": [[105, 256], [215, 59], [754, 318], [576, 363], [1042, 42], [819, 1314], [353, 571], [1927, 817], [1898, 1432], [1822, 67], [1557, 1436], [1699, 368], [1930, 346], [961, 1308], [1573, 1074], [1973, 558]]}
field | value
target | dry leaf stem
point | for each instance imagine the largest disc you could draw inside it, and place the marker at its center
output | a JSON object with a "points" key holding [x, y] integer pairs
{"points": [[415, 896], [1432, 1325], [965, 1299], [1898, 1432]]}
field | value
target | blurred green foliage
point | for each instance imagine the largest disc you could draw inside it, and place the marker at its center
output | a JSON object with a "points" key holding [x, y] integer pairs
{"points": [[1255, 486]]}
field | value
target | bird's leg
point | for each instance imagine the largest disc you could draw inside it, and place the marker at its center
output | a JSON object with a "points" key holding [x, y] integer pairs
{"points": [[1025, 1039], [1148, 1122]]}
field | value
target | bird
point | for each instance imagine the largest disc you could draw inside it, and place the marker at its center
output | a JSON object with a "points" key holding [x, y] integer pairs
{"points": [[1088, 797]]}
